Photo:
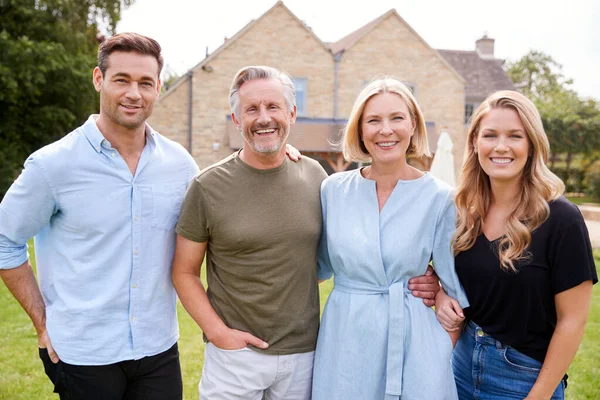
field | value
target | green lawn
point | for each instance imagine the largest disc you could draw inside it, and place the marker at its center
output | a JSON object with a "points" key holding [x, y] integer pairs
{"points": [[22, 376]]}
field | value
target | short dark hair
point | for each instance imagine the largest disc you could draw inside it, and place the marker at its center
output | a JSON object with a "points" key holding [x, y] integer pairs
{"points": [[129, 42]]}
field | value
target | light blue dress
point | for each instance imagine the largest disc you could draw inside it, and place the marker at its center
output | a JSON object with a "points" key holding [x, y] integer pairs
{"points": [[376, 340]]}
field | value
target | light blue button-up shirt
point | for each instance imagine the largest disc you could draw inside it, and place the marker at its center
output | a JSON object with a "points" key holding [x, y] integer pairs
{"points": [[104, 242]]}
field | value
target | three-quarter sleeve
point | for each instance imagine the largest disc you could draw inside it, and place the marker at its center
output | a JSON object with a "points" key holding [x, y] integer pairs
{"points": [[443, 254], [324, 269]]}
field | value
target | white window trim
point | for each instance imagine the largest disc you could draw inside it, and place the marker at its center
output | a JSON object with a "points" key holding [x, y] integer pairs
{"points": [[299, 112]]}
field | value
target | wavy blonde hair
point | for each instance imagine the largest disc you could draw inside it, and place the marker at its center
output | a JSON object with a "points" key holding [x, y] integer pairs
{"points": [[539, 184], [353, 147]]}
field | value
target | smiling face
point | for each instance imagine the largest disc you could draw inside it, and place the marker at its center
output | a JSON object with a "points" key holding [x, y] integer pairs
{"points": [[502, 145], [265, 118], [128, 89], [386, 128]]}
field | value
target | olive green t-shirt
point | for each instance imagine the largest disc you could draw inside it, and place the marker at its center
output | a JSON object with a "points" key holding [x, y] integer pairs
{"points": [[262, 229]]}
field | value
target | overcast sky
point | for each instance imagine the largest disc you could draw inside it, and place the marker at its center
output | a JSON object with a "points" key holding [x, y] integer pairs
{"points": [[569, 31]]}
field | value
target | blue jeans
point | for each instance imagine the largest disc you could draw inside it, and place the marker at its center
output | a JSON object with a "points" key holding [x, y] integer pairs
{"points": [[486, 369]]}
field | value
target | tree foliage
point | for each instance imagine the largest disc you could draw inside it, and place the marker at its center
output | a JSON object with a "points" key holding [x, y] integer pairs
{"points": [[571, 123], [170, 77], [47, 53], [538, 76]]}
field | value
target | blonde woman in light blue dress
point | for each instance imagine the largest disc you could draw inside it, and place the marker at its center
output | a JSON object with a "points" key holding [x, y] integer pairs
{"points": [[382, 224]]}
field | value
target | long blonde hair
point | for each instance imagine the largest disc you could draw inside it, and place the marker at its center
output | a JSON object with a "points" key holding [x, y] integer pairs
{"points": [[539, 184]]}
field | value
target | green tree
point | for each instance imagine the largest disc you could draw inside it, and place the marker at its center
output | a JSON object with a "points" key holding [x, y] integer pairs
{"points": [[538, 76], [570, 122], [170, 77], [47, 52]]}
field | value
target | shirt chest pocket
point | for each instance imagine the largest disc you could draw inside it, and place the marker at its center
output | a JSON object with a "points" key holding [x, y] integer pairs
{"points": [[166, 204], [92, 212]]}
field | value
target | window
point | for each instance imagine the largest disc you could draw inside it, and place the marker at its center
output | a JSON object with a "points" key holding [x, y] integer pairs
{"points": [[469, 108], [300, 84]]}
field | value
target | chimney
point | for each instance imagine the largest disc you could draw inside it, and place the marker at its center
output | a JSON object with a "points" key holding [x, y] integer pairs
{"points": [[485, 47]]}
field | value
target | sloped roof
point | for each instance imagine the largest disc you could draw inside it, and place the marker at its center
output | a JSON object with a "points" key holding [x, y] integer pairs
{"points": [[482, 76], [350, 40], [229, 42]]}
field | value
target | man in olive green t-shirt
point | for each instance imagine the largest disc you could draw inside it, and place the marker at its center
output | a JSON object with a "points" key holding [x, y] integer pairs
{"points": [[257, 217]]}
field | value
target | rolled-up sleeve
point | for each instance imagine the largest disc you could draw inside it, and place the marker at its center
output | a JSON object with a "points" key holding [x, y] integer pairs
{"points": [[26, 208]]}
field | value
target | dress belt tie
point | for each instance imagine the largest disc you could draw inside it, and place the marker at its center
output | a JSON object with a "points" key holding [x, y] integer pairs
{"points": [[395, 350]]}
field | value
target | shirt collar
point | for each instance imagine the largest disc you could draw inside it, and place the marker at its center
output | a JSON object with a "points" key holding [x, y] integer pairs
{"points": [[97, 139]]}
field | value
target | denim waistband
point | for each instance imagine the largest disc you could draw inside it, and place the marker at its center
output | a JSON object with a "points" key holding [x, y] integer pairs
{"points": [[480, 336]]}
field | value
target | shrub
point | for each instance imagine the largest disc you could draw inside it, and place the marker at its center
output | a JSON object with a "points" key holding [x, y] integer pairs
{"points": [[573, 178]]}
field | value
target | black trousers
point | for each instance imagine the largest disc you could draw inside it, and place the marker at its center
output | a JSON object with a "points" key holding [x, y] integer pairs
{"points": [[150, 378]]}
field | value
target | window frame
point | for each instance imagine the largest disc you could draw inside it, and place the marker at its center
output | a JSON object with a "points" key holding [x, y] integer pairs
{"points": [[301, 101]]}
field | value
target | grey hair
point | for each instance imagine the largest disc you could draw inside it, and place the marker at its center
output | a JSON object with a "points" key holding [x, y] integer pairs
{"points": [[255, 72]]}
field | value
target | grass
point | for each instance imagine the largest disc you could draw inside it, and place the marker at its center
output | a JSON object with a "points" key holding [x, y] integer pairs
{"points": [[22, 376], [585, 369]]}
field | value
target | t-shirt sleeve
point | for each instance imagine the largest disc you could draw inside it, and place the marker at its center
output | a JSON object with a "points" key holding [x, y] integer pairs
{"points": [[571, 258], [443, 254], [194, 217]]}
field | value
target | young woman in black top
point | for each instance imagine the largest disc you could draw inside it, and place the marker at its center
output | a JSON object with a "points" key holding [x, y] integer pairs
{"points": [[523, 256]]}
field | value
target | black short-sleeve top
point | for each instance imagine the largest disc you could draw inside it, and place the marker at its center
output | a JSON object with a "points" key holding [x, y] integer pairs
{"points": [[518, 309]]}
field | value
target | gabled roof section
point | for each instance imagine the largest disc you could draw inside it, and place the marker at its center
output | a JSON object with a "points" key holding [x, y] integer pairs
{"points": [[350, 40], [308, 28], [229, 42], [483, 76]]}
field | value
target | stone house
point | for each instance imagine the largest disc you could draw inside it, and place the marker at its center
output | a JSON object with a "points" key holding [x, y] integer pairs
{"points": [[482, 72], [328, 77]]}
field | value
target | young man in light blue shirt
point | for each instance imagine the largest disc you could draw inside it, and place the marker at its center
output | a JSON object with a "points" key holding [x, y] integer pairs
{"points": [[102, 203]]}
